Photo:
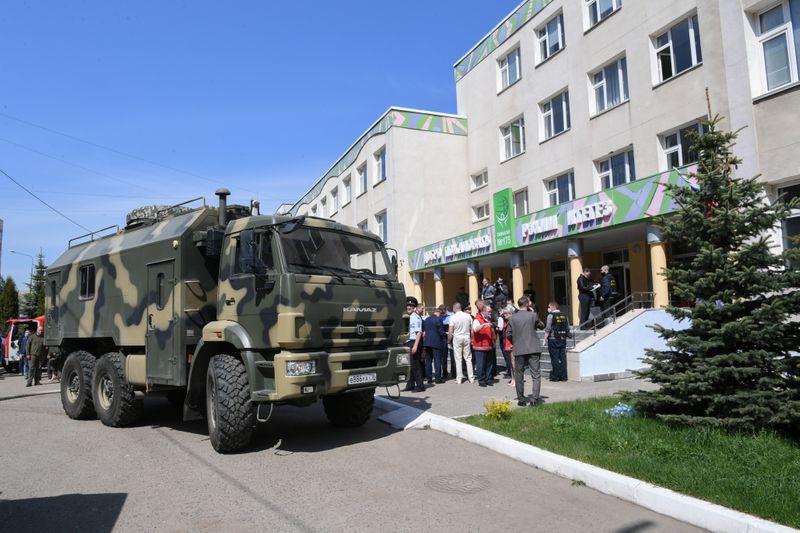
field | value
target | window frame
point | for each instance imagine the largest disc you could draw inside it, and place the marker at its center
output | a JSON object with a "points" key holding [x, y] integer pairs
{"points": [[380, 166], [347, 190], [526, 203], [486, 212], [606, 178], [507, 139], [381, 219], [678, 148], [548, 116], [554, 180], [472, 180], [323, 207], [590, 4], [695, 48], [504, 80], [334, 200], [85, 292], [542, 34], [621, 63], [363, 179], [786, 29]]}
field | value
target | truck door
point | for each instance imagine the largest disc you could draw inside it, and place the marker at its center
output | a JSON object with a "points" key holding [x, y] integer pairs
{"points": [[162, 339], [53, 328]]}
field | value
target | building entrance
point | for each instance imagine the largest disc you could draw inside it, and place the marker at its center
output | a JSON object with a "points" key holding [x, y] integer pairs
{"points": [[620, 267], [559, 287]]}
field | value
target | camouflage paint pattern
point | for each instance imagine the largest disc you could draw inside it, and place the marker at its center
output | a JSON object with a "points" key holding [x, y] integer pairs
{"points": [[349, 325]]}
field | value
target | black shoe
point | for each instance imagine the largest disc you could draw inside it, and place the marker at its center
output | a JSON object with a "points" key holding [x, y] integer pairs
{"points": [[537, 401], [481, 384], [419, 390], [408, 389], [439, 381], [27, 384], [430, 382], [522, 403]]}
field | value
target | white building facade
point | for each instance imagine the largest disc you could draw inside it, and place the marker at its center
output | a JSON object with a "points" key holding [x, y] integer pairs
{"points": [[572, 116]]}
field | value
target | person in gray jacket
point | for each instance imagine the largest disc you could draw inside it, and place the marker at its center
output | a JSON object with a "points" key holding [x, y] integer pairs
{"points": [[527, 349]]}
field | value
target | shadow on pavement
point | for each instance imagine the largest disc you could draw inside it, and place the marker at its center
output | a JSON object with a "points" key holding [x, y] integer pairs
{"points": [[637, 527], [289, 430], [68, 512]]}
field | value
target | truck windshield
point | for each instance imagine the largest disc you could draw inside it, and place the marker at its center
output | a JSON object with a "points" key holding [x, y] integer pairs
{"points": [[321, 251]]}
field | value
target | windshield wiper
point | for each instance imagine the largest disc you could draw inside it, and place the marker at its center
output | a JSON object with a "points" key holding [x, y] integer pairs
{"points": [[325, 270]]}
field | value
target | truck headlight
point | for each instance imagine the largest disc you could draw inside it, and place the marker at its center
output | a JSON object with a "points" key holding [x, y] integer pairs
{"points": [[301, 368], [403, 359]]}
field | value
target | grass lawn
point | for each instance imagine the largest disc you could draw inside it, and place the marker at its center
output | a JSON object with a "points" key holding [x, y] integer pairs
{"points": [[758, 475]]}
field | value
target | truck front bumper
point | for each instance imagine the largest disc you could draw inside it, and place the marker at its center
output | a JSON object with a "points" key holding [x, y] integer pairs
{"points": [[334, 372]]}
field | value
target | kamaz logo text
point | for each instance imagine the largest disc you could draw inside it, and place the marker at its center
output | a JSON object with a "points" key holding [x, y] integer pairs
{"points": [[360, 309]]}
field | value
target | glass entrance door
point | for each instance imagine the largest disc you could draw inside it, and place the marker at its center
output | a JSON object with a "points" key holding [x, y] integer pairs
{"points": [[559, 287]]}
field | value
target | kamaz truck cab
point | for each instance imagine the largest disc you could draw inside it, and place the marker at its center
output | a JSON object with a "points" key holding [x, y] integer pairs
{"points": [[231, 312]]}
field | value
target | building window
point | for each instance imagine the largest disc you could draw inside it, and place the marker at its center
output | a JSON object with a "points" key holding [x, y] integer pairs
{"points": [[480, 212], [314, 210], [678, 145], [779, 36], [555, 116], [380, 165], [382, 226], [334, 201], [521, 203], [87, 282], [598, 10], [513, 138], [509, 69], [610, 85], [362, 179], [479, 180], [363, 225], [678, 49], [616, 170], [551, 37], [791, 226], [561, 189], [323, 207], [347, 192]]}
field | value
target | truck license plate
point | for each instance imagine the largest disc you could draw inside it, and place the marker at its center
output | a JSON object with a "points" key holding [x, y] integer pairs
{"points": [[361, 378]]}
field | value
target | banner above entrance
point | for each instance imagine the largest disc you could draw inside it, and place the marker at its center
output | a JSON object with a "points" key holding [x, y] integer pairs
{"points": [[639, 200], [467, 246]]}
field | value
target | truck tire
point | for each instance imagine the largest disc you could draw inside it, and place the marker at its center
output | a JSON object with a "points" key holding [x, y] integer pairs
{"points": [[76, 385], [114, 399], [349, 410], [230, 412]]}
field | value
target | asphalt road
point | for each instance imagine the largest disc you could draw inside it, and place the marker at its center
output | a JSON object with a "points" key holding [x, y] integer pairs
{"points": [[301, 475]]}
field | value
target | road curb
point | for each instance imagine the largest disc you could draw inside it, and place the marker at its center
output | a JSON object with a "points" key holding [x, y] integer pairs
{"points": [[664, 501], [29, 394]]}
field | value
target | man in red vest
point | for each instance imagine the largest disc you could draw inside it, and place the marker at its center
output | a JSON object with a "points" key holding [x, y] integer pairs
{"points": [[483, 344]]}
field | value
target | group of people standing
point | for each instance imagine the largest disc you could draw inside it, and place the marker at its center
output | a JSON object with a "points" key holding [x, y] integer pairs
{"points": [[469, 341], [603, 294]]}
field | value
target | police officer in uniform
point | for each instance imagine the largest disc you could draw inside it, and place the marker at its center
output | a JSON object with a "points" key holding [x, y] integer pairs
{"points": [[414, 343], [556, 332]]}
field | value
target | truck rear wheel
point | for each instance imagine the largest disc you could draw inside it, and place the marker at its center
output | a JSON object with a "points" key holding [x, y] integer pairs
{"points": [[230, 413], [114, 399], [349, 410], [76, 385]]}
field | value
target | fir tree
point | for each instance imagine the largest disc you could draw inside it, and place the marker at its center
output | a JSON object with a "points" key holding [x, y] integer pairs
{"points": [[9, 301], [33, 304], [737, 366]]}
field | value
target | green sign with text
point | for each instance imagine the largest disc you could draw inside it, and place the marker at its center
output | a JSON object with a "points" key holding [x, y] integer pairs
{"points": [[504, 221]]}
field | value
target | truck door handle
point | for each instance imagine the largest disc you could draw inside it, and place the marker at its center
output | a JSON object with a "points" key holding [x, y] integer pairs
{"points": [[150, 320], [230, 301]]}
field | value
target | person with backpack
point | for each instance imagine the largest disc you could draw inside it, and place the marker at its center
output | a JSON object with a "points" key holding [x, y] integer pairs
{"points": [[556, 332]]}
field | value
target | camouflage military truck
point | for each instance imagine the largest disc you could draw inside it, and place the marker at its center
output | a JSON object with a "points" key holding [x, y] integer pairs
{"points": [[229, 314]]}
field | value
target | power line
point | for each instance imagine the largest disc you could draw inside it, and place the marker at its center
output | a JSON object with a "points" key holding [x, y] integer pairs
{"points": [[119, 152], [21, 186]]}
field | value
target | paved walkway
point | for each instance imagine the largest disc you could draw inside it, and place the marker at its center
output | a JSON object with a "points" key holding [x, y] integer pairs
{"points": [[12, 385], [452, 400]]}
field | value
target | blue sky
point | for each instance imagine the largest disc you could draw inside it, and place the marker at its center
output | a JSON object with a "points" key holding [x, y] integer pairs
{"points": [[259, 96]]}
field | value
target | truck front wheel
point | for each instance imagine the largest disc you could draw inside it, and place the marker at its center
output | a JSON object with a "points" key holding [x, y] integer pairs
{"points": [[115, 402], [231, 417], [349, 410], [76, 385]]}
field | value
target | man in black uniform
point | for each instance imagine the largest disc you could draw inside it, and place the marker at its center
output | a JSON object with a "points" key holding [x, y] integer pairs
{"points": [[586, 287], [608, 288], [555, 334]]}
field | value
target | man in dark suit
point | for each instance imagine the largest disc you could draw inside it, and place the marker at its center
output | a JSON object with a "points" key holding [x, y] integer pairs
{"points": [[434, 338], [527, 349], [586, 286]]}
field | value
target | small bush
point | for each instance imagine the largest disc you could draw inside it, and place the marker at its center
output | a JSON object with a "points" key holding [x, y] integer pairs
{"points": [[499, 410]]}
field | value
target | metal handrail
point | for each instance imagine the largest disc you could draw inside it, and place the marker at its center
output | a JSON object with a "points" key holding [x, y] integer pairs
{"points": [[635, 300], [91, 234], [167, 210]]}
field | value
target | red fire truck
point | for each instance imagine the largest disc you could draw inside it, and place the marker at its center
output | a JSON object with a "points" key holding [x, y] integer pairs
{"points": [[12, 337]]}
